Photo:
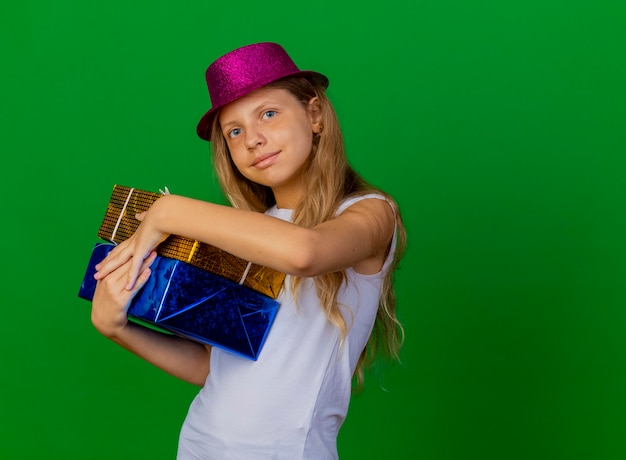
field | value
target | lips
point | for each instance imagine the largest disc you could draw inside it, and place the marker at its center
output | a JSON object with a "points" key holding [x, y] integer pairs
{"points": [[263, 161]]}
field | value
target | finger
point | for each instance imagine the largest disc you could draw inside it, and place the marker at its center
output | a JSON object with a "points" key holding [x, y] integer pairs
{"points": [[115, 283], [140, 215], [114, 259], [133, 273], [148, 261], [116, 279], [137, 266], [142, 279], [144, 273], [109, 265]]}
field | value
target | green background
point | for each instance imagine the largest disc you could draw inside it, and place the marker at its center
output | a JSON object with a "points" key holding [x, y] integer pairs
{"points": [[498, 125]]}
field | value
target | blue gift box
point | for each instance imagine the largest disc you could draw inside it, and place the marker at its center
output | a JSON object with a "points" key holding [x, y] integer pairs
{"points": [[188, 301]]}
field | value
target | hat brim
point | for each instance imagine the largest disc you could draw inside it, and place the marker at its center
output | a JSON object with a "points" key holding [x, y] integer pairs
{"points": [[205, 125]]}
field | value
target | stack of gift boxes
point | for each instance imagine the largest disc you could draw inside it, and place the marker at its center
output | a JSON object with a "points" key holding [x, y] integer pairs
{"points": [[196, 290]]}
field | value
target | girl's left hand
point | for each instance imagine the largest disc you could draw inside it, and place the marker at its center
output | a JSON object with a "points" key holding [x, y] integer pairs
{"points": [[134, 250], [111, 299]]}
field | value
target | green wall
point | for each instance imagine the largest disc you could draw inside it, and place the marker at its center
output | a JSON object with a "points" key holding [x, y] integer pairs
{"points": [[498, 125]]}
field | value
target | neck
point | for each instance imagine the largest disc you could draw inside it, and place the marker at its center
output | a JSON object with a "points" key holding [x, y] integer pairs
{"points": [[287, 199]]}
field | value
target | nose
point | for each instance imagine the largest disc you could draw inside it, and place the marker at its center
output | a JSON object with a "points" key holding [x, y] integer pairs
{"points": [[254, 138]]}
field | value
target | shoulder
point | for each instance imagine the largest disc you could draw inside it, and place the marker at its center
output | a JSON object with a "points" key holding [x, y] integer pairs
{"points": [[376, 215], [376, 207], [372, 200]]}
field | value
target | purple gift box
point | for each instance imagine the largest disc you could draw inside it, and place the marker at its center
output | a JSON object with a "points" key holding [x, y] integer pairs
{"points": [[188, 301]]}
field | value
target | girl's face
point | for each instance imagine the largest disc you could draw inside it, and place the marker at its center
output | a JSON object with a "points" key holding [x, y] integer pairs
{"points": [[270, 135]]}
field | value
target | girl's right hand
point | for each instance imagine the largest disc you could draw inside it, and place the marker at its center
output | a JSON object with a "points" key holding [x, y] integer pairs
{"points": [[134, 249], [109, 312]]}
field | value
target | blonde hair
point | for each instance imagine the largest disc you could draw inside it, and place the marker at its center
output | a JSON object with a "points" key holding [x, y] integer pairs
{"points": [[329, 180]]}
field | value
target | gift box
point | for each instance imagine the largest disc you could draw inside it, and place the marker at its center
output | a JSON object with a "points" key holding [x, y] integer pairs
{"points": [[191, 302], [119, 224]]}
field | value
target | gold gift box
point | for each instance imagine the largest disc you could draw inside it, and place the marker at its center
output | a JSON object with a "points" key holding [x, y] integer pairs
{"points": [[119, 224]]}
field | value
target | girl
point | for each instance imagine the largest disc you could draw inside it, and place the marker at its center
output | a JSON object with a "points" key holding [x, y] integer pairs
{"points": [[298, 207]]}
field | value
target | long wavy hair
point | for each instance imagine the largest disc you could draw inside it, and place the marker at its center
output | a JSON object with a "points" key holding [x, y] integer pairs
{"points": [[329, 180]]}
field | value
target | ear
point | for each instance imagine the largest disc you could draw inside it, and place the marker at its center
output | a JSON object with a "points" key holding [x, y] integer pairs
{"points": [[314, 110]]}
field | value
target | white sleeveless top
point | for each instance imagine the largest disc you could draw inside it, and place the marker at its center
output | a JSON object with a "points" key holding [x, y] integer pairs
{"points": [[291, 402]]}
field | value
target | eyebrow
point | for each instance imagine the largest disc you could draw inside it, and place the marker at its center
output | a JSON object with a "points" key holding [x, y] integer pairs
{"points": [[262, 106], [225, 126]]}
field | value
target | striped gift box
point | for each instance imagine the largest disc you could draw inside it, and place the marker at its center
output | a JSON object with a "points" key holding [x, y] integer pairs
{"points": [[119, 224]]}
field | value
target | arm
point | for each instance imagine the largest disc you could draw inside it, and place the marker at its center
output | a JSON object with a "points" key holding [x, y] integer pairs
{"points": [[358, 238], [181, 358]]}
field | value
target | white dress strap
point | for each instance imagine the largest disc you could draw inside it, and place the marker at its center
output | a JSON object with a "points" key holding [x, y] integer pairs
{"points": [[355, 199]]}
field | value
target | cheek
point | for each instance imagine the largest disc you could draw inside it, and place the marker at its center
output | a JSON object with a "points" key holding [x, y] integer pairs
{"points": [[242, 166], [306, 139], [234, 153], [237, 162]]}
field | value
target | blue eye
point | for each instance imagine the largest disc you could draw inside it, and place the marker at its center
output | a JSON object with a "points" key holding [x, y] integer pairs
{"points": [[234, 133], [269, 114]]}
